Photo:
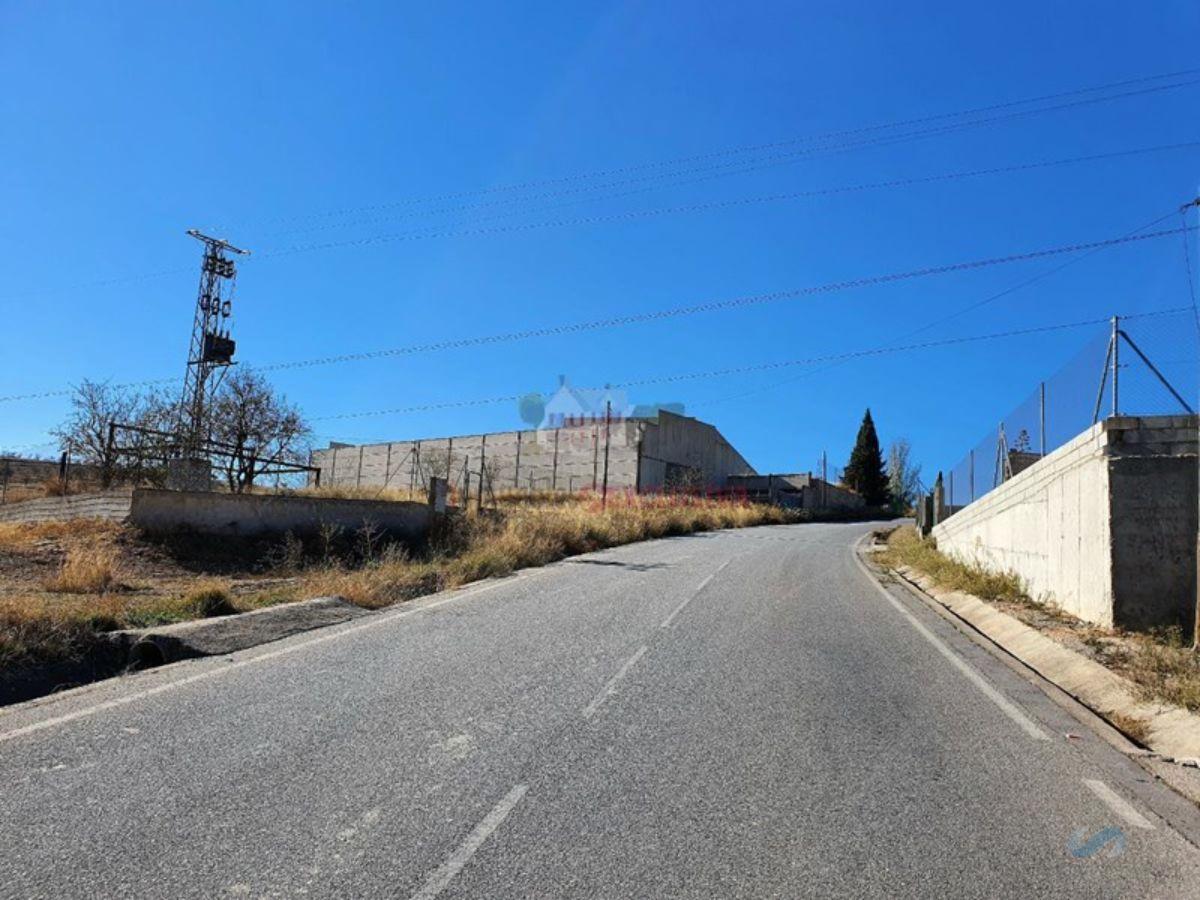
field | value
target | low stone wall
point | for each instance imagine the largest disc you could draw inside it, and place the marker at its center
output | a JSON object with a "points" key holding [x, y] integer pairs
{"points": [[112, 505], [157, 512], [1105, 526]]}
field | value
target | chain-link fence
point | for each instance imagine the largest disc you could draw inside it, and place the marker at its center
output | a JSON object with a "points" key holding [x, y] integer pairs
{"points": [[1150, 369]]}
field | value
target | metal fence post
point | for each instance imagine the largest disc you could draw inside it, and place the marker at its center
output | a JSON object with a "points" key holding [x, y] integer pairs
{"points": [[972, 476], [1116, 356], [466, 497], [607, 437], [482, 469], [1042, 416], [554, 469], [517, 469]]}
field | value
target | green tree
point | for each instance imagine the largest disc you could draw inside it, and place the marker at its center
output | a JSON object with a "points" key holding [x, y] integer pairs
{"points": [[865, 472]]}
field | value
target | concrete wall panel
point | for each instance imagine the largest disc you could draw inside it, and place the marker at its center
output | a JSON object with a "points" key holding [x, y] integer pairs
{"points": [[1105, 526]]}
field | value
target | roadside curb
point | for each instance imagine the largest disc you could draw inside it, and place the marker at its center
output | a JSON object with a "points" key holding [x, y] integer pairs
{"points": [[220, 635], [1173, 733]]}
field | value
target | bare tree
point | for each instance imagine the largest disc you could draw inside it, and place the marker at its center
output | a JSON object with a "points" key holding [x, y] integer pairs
{"points": [[904, 478], [256, 424], [95, 405]]}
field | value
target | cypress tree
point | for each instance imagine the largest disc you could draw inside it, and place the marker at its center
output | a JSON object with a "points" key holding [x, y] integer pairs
{"points": [[865, 472]]}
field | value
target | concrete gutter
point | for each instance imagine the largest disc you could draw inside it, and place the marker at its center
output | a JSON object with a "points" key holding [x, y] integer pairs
{"points": [[1173, 732], [149, 647]]}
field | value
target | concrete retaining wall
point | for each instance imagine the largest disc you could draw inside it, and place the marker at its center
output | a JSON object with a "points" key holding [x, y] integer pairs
{"points": [[159, 511], [1105, 526], [250, 514]]}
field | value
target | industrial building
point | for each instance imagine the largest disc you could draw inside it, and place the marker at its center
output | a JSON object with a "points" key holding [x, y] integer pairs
{"points": [[801, 490], [665, 451]]}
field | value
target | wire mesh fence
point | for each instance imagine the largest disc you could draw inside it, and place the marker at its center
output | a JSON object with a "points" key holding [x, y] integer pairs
{"points": [[1150, 369]]}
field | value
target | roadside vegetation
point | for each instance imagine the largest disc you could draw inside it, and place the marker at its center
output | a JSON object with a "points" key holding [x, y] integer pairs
{"points": [[1161, 663], [65, 583], [529, 531], [906, 548]]}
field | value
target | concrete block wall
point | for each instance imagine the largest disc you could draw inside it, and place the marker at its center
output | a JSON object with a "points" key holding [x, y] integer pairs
{"points": [[1105, 526], [568, 458], [673, 440]]}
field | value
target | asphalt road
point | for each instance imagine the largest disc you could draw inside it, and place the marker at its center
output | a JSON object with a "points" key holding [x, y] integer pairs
{"points": [[741, 714]]}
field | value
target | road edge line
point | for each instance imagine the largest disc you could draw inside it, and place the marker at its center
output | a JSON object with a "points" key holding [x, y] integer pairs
{"points": [[1006, 706]]}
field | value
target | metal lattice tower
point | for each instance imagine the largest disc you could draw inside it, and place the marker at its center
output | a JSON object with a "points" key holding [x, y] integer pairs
{"points": [[212, 347]]}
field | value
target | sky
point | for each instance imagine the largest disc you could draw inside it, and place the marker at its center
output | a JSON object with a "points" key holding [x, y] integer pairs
{"points": [[410, 174]]}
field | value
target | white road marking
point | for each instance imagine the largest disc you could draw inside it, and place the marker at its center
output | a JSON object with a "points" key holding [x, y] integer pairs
{"points": [[1118, 804], [234, 665], [1006, 706], [444, 874], [610, 688], [666, 623]]}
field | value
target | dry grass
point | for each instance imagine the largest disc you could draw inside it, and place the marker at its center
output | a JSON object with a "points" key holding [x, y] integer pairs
{"points": [[395, 494], [39, 627], [16, 537], [1164, 667], [1138, 729], [93, 567], [906, 548], [529, 533]]}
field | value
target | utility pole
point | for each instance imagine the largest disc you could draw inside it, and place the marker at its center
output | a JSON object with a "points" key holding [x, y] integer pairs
{"points": [[212, 347], [607, 437], [824, 480]]}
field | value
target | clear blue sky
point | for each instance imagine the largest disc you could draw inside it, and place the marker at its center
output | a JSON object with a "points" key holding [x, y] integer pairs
{"points": [[125, 124]]}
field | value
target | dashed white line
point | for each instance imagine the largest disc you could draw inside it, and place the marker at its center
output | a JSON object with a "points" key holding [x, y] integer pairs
{"points": [[666, 623], [1118, 804], [610, 688], [1006, 706], [457, 861], [117, 702]]}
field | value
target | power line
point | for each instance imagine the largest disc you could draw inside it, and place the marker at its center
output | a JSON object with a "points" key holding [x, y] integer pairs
{"points": [[665, 314], [716, 305], [774, 145], [739, 201], [769, 366], [991, 298], [767, 163], [1187, 263]]}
